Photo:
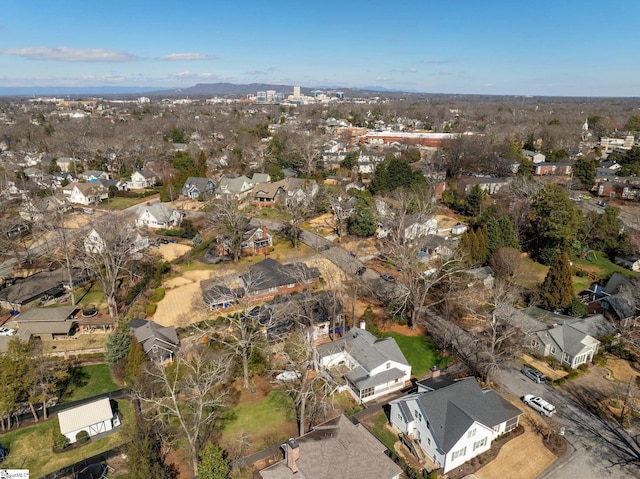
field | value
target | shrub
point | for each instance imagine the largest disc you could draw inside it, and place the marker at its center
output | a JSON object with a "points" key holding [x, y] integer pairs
{"points": [[60, 441], [82, 437], [150, 309], [158, 294]]}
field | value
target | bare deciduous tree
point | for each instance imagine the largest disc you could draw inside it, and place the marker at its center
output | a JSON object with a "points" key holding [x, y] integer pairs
{"points": [[187, 396], [109, 251], [226, 215]]}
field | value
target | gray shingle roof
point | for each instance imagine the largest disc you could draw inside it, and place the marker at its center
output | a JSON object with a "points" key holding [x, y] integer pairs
{"points": [[269, 273], [369, 351], [337, 449], [361, 379], [46, 314], [453, 409]]}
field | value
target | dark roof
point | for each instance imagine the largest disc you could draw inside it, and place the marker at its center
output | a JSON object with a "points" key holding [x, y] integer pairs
{"points": [[453, 409], [337, 449], [615, 282], [150, 334], [269, 273], [438, 382], [34, 286], [200, 183]]}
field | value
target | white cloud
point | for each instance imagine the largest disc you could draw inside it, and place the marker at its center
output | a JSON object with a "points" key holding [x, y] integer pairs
{"points": [[192, 76], [382, 79], [411, 70], [66, 54], [180, 57]]}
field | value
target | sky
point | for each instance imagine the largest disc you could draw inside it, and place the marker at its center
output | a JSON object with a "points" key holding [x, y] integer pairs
{"points": [[502, 47]]}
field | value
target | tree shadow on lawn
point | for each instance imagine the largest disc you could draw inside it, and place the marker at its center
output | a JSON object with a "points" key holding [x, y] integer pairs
{"points": [[78, 378]]}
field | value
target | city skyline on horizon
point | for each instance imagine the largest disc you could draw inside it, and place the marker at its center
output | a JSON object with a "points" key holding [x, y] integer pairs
{"points": [[494, 49]]}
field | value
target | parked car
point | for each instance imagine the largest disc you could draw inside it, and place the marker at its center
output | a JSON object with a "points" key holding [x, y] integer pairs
{"points": [[361, 270], [388, 277], [7, 331], [538, 404], [535, 376]]}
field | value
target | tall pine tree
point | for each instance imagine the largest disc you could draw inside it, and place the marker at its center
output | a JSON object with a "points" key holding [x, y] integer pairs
{"points": [[556, 291]]}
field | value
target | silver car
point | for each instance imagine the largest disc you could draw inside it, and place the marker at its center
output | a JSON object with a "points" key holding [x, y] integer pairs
{"points": [[535, 376]]}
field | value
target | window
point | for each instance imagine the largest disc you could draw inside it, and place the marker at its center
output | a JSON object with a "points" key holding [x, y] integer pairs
{"points": [[389, 365], [471, 433], [553, 350], [366, 392], [273, 290], [458, 453], [291, 285], [429, 441], [480, 443]]}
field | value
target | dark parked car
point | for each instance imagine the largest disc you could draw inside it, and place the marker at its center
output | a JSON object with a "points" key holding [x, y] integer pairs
{"points": [[361, 270], [535, 376], [387, 277]]}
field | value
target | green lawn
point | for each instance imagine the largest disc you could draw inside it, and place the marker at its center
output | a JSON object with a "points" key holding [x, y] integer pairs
{"points": [[376, 425], [261, 419], [420, 351], [89, 381], [31, 447], [94, 295], [605, 268]]}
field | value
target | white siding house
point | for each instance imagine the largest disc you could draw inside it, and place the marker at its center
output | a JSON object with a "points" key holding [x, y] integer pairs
{"points": [[142, 179], [89, 193], [376, 366], [95, 418], [452, 422], [158, 215]]}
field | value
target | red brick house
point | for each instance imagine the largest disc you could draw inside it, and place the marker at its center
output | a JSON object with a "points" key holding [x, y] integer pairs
{"points": [[269, 278], [255, 241]]}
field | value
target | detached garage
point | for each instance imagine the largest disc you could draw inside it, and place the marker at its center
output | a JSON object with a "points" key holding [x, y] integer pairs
{"points": [[96, 418]]}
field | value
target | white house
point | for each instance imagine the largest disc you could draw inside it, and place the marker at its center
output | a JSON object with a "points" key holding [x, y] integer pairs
{"points": [[376, 366], [95, 418], [568, 343], [236, 187], [142, 179], [89, 193], [450, 421], [534, 156], [158, 215]]}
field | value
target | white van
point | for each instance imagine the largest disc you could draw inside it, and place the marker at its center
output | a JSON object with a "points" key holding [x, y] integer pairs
{"points": [[543, 407]]}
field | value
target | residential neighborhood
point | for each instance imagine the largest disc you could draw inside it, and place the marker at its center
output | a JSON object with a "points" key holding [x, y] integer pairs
{"points": [[326, 285]]}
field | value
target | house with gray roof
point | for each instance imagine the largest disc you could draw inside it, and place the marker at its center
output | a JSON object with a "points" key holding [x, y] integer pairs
{"points": [[198, 187], [451, 422], [160, 343], [158, 216], [238, 187], [142, 179], [376, 366], [48, 323], [336, 449], [568, 343]]}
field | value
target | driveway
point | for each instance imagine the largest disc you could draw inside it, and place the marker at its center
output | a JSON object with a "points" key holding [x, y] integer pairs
{"points": [[598, 448]]}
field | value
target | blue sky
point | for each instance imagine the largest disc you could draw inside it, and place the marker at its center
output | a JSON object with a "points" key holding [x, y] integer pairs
{"points": [[561, 47]]}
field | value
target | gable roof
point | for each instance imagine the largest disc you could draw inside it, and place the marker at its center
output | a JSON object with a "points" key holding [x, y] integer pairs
{"points": [[46, 314], [81, 417], [200, 183], [452, 409], [160, 211], [270, 273], [90, 188], [150, 334], [571, 339], [337, 449], [369, 351]]}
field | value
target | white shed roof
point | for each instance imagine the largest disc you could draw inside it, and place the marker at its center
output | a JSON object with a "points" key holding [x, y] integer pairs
{"points": [[84, 416]]}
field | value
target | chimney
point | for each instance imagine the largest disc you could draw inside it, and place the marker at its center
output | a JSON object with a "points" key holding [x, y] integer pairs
{"points": [[264, 231], [291, 454], [435, 371]]}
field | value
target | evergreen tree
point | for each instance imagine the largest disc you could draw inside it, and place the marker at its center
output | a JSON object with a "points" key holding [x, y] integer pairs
{"points": [[482, 254], [202, 164], [474, 200], [213, 463], [394, 173], [585, 170], [556, 291], [363, 221], [117, 345], [135, 359], [144, 454]]}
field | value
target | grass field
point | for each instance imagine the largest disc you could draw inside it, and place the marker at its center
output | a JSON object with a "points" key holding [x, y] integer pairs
{"points": [[31, 447], [420, 352], [89, 381], [261, 418], [120, 203], [94, 295], [602, 267], [376, 425]]}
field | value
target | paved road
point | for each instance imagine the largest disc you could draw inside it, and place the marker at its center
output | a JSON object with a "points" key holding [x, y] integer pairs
{"points": [[598, 448]]}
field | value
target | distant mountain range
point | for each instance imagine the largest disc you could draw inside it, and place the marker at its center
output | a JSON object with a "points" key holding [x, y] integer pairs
{"points": [[199, 90]]}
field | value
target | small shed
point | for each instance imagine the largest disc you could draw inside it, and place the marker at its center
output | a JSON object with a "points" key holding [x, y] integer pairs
{"points": [[95, 417]]}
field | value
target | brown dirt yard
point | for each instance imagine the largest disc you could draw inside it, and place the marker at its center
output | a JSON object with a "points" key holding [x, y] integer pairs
{"points": [[524, 457], [172, 251], [181, 295]]}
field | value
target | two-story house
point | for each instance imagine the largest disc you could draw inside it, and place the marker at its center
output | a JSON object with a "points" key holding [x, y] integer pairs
{"points": [[198, 187], [89, 193], [158, 216], [376, 365], [142, 179], [450, 421]]}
